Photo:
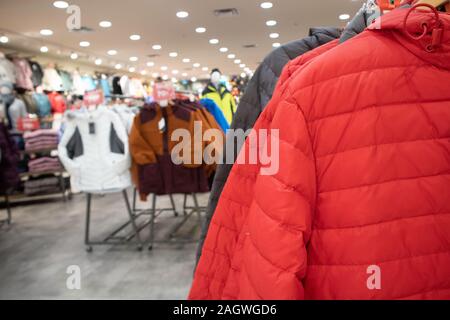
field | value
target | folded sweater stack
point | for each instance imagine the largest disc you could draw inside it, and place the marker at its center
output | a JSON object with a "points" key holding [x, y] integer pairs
{"points": [[42, 186], [44, 164], [41, 139]]}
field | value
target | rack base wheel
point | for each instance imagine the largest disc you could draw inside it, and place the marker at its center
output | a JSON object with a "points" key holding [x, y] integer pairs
{"points": [[89, 249], [139, 248], [150, 248], [176, 214]]}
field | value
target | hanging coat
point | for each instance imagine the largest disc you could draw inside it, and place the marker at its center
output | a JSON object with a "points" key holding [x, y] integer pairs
{"points": [[223, 98], [257, 95], [94, 150], [363, 186]]}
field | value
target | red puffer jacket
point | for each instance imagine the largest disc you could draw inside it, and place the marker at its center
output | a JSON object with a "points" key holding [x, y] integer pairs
{"points": [[363, 182]]}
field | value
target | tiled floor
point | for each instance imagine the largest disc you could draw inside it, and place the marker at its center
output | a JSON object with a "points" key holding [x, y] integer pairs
{"points": [[46, 238]]}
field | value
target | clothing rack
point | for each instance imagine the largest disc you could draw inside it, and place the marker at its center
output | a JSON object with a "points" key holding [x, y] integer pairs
{"points": [[155, 212], [113, 238], [64, 192], [188, 211]]}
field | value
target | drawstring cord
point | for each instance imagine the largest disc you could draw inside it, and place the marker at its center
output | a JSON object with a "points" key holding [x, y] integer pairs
{"points": [[436, 30]]}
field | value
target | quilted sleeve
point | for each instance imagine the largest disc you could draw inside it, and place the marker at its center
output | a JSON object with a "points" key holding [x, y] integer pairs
{"points": [[272, 262], [256, 244]]}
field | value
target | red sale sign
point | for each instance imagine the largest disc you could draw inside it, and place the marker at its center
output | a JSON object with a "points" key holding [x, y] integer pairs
{"points": [[93, 98], [28, 124], [163, 91]]}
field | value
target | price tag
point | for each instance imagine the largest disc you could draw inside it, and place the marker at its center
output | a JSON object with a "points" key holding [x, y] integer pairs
{"points": [[93, 98], [91, 128]]}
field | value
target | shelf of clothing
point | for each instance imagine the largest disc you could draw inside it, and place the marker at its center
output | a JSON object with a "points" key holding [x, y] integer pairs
{"points": [[39, 151], [18, 198], [43, 173]]}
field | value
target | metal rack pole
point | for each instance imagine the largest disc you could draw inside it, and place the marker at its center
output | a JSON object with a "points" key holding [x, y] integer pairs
{"points": [[113, 239]]}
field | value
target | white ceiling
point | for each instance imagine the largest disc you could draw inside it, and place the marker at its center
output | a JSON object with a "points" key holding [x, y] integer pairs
{"points": [[156, 22]]}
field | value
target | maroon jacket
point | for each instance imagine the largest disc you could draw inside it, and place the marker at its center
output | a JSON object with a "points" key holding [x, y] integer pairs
{"points": [[9, 158]]}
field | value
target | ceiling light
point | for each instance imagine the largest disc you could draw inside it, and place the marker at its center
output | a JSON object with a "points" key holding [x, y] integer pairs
{"points": [[143, 72], [200, 30], [165, 77], [118, 66], [73, 56], [214, 41], [155, 74], [193, 79], [271, 23], [182, 14], [274, 35], [173, 54], [44, 49], [150, 64], [266, 5], [46, 32], [134, 59], [247, 69], [276, 44], [4, 39], [135, 37], [344, 17], [112, 52], [164, 68], [196, 65], [231, 56], [98, 62], [186, 60], [223, 50], [205, 69], [184, 74], [84, 44], [60, 4], [243, 75], [237, 61], [242, 65], [132, 69], [174, 80], [175, 71], [157, 47], [105, 24]]}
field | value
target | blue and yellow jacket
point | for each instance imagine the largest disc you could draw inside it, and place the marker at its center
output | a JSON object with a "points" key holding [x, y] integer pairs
{"points": [[223, 98]]}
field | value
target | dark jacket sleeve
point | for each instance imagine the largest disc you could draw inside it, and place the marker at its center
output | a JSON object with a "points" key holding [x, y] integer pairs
{"points": [[256, 97], [355, 26]]}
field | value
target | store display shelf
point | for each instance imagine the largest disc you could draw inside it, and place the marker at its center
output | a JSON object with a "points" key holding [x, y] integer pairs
{"points": [[23, 198], [43, 173], [39, 151]]}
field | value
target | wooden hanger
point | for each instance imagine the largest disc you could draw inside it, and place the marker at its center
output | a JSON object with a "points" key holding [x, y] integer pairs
{"points": [[437, 3]]}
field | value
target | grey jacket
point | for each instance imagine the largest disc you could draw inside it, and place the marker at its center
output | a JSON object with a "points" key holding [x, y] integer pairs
{"points": [[255, 99]]}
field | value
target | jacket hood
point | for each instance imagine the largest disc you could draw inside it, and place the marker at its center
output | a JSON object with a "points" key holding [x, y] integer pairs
{"points": [[404, 27], [211, 88], [84, 113]]}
